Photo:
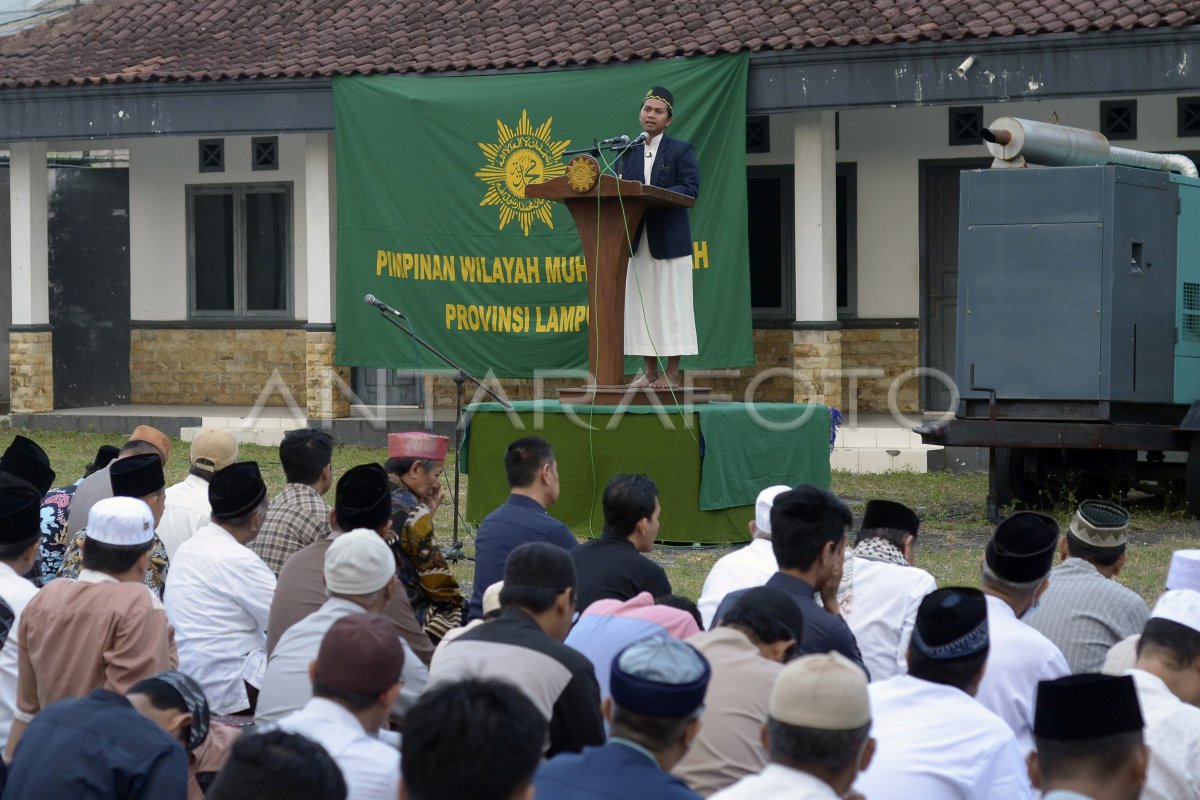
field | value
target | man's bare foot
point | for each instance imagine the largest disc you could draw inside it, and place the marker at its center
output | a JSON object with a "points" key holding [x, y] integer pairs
{"points": [[640, 382], [663, 382]]}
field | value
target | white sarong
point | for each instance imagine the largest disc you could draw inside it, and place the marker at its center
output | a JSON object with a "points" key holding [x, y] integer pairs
{"points": [[659, 320]]}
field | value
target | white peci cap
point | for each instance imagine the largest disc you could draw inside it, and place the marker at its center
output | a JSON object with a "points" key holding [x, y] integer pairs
{"points": [[1185, 570], [358, 562], [1179, 605], [762, 507], [120, 521]]}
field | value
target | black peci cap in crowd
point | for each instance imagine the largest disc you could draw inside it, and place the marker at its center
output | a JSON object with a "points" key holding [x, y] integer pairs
{"points": [[20, 510], [951, 624], [236, 490], [136, 476], [888, 515], [1022, 548], [1086, 706], [363, 498], [27, 460]]}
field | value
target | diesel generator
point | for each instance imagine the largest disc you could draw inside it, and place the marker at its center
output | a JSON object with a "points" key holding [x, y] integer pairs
{"points": [[1078, 343]]}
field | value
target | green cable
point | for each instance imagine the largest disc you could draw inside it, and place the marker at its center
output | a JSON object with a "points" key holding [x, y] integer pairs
{"points": [[646, 322]]}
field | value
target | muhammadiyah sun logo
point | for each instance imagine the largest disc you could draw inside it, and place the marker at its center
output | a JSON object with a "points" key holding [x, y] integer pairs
{"points": [[520, 157]]}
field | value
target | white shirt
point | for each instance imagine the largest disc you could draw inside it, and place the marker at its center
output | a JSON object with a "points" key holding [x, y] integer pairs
{"points": [[218, 598], [286, 686], [17, 592], [883, 610], [778, 781], [745, 568], [1018, 658], [1122, 656], [651, 148], [1173, 735], [370, 767], [186, 509], [935, 742]]}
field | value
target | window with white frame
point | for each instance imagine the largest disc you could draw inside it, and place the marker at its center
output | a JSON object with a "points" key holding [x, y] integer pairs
{"points": [[240, 250]]}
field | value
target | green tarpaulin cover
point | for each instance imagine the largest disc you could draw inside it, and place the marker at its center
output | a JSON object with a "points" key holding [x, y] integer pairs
{"points": [[709, 461]]}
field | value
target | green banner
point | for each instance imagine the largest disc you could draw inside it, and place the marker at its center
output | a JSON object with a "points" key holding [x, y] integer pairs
{"points": [[433, 220]]}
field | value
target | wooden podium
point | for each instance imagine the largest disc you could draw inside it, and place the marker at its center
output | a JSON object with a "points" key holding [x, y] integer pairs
{"points": [[602, 206]]}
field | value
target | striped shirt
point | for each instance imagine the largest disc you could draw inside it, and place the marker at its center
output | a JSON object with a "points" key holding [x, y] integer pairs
{"points": [[1084, 614], [296, 518]]}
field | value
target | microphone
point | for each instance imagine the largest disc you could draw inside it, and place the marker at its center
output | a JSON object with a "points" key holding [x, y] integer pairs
{"points": [[616, 141], [641, 137], [372, 300]]}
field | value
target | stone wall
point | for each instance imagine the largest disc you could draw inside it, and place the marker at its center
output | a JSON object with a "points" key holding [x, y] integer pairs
{"points": [[217, 367], [31, 371], [231, 367], [818, 365], [327, 385], [890, 351]]}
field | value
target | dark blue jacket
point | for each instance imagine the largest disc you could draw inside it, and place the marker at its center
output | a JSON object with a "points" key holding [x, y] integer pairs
{"points": [[612, 772], [518, 521], [675, 168], [96, 748]]}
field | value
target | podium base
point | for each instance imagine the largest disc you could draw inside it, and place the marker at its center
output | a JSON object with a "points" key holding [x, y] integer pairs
{"points": [[645, 396]]}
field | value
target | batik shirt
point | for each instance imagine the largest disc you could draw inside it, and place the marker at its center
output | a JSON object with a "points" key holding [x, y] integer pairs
{"points": [[53, 545], [156, 573], [432, 589]]}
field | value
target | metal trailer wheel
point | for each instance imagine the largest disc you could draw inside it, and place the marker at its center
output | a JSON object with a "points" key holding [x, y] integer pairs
{"points": [[1191, 478], [1008, 482]]}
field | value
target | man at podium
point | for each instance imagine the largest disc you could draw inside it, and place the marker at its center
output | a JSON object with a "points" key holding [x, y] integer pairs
{"points": [[659, 320]]}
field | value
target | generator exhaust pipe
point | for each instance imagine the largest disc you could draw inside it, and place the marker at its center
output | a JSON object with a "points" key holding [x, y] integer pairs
{"points": [[1020, 142]]}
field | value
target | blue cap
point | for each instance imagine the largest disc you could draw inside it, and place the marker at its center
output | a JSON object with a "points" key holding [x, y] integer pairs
{"points": [[660, 677]]}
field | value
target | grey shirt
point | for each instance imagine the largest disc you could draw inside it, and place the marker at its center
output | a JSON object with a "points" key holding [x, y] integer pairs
{"points": [[1085, 614], [95, 487]]}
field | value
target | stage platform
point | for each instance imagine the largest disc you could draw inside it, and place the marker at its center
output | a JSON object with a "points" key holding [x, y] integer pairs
{"points": [[709, 461]]}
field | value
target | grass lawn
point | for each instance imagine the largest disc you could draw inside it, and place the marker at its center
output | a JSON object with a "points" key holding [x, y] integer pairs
{"points": [[954, 525]]}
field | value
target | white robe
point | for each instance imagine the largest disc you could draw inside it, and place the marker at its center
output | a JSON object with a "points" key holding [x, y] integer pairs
{"points": [[218, 598], [882, 612], [1018, 658], [659, 318], [745, 568], [778, 781], [17, 592], [935, 742], [1173, 735]]}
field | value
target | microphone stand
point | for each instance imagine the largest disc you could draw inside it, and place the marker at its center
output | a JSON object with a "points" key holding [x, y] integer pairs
{"points": [[620, 151], [594, 150], [597, 146], [461, 376]]}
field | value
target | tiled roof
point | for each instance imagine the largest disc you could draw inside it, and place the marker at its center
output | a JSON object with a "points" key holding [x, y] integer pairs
{"points": [[112, 41]]}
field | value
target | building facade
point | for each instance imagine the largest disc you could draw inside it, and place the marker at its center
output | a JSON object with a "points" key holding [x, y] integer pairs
{"points": [[208, 276]]}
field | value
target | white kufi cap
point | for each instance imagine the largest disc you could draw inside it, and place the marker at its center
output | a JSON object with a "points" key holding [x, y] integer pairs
{"points": [[1185, 570], [120, 521], [762, 507], [1179, 605], [358, 562], [826, 691]]}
